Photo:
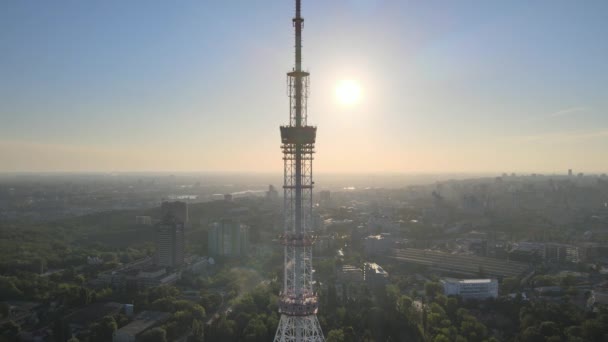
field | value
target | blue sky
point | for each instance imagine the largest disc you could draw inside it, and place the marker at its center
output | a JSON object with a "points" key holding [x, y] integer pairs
{"points": [[448, 86]]}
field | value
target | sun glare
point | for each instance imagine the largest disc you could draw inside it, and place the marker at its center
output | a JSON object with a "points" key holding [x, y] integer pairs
{"points": [[348, 92]]}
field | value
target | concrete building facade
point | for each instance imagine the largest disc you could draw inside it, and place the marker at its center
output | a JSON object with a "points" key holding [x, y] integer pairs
{"points": [[470, 288], [228, 238]]}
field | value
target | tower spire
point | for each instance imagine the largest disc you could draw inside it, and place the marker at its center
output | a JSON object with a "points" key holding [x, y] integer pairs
{"points": [[298, 303]]}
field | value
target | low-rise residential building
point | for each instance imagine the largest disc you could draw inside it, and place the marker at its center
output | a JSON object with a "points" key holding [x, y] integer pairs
{"points": [[153, 276]]}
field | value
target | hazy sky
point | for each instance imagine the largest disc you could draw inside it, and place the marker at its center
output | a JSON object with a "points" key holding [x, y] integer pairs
{"points": [[447, 86]]}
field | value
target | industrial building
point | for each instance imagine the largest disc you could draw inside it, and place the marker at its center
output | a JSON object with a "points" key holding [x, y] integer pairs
{"points": [[470, 288], [460, 264]]}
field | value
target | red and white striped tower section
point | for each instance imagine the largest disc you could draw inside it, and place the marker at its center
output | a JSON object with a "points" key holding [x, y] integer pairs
{"points": [[298, 303]]}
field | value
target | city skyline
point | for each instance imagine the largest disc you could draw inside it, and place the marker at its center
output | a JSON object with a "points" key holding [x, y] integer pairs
{"points": [[459, 87]]}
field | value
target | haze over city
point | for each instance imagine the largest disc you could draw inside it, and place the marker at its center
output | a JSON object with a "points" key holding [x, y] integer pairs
{"points": [[466, 86], [303, 171]]}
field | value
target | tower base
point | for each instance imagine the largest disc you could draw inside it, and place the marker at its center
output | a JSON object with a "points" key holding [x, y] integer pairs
{"points": [[299, 329]]}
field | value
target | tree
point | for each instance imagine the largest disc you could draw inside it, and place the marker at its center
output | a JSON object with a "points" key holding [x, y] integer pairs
{"points": [[594, 330], [255, 330], [9, 331], [222, 330], [532, 334], [8, 289], [349, 334], [548, 329], [104, 329], [198, 332], [336, 335], [509, 284], [59, 330], [4, 310], [432, 289], [441, 338], [451, 307], [392, 293], [154, 335]]}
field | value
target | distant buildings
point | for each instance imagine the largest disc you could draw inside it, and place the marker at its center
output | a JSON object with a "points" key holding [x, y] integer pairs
{"points": [[470, 288], [169, 259], [599, 295], [527, 251], [79, 320], [461, 264], [349, 274], [177, 209], [272, 194], [374, 274], [139, 274], [143, 220], [347, 277], [170, 234], [551, 252], [228, 238], [378, 244], [592, 251], [557, 252], [151, 276], [382, 224], [324, 197], [324, 244], [144, 321]]}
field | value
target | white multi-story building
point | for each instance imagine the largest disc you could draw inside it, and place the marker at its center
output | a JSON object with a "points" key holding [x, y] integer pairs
{"points": [[470, 288]]}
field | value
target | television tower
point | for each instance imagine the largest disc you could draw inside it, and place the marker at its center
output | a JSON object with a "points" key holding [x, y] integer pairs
{"points": [[298, 303]]}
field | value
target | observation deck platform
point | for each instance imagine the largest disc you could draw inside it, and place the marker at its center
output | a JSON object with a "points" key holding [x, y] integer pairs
{"points": [[298, 135], [304, 305], [297, 240]]}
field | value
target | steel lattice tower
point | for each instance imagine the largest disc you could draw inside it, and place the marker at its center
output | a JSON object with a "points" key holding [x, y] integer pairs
{"points": [[298, 303]]}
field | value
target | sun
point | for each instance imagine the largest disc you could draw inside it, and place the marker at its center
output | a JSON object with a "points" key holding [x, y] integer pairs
{"points": [[348, 92]]}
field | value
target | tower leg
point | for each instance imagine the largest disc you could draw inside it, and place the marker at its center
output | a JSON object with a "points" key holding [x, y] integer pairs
{"points": [[299, 329]]}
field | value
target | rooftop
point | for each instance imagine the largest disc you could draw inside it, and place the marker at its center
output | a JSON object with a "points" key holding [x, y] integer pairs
{"points": [[376, 268], [143, 321], [476, 281], [94, 312]]}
